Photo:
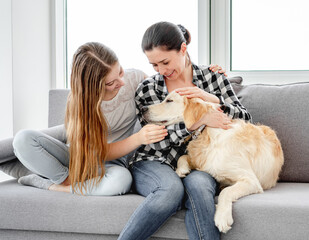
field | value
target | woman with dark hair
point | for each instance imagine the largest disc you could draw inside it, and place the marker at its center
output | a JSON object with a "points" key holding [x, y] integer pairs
{"points": [[165, 45]]}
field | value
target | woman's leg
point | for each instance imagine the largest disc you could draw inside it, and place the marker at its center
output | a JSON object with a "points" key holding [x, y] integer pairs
{"points": [[200, 190], [42, 154], [163, 190]]}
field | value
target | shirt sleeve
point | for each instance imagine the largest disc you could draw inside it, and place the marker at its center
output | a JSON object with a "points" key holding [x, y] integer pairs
{"points": [[134, 77], [223, 89]]}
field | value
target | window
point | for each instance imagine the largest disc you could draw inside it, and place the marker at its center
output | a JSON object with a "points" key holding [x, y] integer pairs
{"points": [[264, 41], [120, 24], [240, 58], [269, 35]]}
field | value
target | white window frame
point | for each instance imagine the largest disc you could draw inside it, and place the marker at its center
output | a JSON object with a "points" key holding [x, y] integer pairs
{"points": [[59, 61], [204, 23], [58, 44], [213, 45], [220, 51]]}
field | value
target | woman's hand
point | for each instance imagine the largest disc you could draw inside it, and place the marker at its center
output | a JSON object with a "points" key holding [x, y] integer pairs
{"points": [[195, 92], [217, 119], [151, 133], [215, 68]]}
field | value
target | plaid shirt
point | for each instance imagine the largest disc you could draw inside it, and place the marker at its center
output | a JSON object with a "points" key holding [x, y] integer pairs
{"points": [[153, 90]]}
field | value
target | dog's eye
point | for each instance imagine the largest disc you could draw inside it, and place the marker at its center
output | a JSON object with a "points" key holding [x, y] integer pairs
{"points": [[169, 100]]}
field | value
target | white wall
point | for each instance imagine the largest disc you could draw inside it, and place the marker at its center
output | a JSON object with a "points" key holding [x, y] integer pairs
{"points": [[31, 26], [25, 65], [6, 97]]}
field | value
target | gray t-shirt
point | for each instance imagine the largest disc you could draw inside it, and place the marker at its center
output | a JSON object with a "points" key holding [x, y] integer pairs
{"points": [[120, 112]]}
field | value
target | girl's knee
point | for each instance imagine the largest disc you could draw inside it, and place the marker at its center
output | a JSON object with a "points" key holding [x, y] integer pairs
{"points": [[23, 139], [119, 178], [116, 181], [117, 173]]}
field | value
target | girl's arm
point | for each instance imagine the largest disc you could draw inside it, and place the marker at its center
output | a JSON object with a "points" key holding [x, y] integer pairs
{"points": [[146, 95], [148, 134]]}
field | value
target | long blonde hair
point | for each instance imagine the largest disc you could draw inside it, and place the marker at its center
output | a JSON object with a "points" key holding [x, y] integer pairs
{"points": [[85, 124]]}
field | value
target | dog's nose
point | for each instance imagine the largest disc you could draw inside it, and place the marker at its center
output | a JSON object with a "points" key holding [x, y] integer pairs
{"points": [[144, 109]]}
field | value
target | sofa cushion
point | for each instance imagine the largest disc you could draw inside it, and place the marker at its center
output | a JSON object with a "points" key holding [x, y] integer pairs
{"points": [[277, 213], [285, 109], [6, 151], [29, 208]]}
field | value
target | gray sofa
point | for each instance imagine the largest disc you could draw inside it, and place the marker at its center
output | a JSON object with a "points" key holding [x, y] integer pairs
{"points": [[279, 213]]}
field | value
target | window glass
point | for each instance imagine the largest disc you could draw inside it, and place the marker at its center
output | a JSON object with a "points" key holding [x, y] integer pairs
{"points": [[120, 24], [269, 35]]}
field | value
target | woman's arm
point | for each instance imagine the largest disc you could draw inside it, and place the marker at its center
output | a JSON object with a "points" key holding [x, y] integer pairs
{"points": [[229, 101], [214, 119], [195, 92], [220, 86]]}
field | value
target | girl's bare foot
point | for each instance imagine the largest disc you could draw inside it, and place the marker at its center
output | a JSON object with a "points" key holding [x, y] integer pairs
{"points": [[60, 188], [63, 187]]}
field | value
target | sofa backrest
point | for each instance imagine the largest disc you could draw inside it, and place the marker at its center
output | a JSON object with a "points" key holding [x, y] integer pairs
{"points": [[282, 107], [285, 108], [57, 106]]}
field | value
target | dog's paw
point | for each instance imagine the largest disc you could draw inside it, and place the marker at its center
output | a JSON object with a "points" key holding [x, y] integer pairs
{"points": [[182, 172], [223, 220]]}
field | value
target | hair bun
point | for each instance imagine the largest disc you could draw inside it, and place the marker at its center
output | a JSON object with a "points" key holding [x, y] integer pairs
{"points": [[185, 33], [183, 29]]}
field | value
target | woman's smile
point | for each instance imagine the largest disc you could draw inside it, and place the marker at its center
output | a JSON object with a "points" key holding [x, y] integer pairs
{"points": [[169, 75]]}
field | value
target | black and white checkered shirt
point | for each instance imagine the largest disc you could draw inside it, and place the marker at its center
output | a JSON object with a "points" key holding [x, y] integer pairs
{"points": [[153, 90]]}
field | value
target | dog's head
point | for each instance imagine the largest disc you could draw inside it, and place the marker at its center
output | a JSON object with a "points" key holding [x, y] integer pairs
{"points": [[175, 109]]}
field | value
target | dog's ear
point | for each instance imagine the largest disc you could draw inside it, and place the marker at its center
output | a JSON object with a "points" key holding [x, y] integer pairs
{"points": [[193, 111]]}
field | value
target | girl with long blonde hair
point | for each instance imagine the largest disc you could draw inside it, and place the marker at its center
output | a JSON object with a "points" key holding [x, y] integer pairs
{"points": [[99, 122]]}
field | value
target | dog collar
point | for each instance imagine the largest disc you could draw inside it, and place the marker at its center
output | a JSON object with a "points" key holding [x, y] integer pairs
{"points": [[198, 131], [195, 134]]}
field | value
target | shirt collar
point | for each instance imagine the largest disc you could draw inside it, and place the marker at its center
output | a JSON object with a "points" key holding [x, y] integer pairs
{"points": [[197, 72]]}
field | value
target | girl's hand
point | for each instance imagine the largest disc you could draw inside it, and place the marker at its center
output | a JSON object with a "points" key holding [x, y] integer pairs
{"points": [[195, 92], [215, 68], [151, 133], [217, 119]]}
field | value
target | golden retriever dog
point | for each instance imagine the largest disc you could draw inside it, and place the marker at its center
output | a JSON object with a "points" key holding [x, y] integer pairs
{"points": [[244, 159]]}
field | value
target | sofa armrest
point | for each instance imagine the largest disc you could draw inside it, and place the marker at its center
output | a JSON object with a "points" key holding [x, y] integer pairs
{"points": [[6, 147], [6, 150]]}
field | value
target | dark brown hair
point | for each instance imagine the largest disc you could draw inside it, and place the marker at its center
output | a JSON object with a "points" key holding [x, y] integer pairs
{"points": [[165, 35]]}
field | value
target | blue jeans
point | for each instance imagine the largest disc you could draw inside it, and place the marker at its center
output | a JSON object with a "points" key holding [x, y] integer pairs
{"points": [[200, 190], [164, 192], [49, 157]]}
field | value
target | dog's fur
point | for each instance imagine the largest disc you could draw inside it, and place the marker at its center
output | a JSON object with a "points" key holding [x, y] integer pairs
{"points": [[245, 159]]}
